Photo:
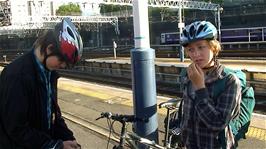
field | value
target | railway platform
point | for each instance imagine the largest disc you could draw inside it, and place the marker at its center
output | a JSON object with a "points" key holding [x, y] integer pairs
{"points": [[121, 102], [79, 99], [82, 102]]}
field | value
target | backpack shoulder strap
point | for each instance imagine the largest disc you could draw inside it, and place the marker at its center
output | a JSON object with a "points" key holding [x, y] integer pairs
{"points": [[240, 75], [220, 84], [219, 87]]}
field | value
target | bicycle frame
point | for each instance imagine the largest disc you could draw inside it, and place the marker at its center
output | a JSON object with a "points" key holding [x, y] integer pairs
{"points": [[145, 141], [134, 141], [170, 105]]}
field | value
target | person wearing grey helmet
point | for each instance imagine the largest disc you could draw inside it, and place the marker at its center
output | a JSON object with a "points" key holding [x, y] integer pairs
{"points": [[30, 117], [204, 116]]}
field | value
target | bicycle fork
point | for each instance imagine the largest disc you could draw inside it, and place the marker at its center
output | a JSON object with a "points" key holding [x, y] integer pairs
{"points": [[122, 138], [166, 136]]}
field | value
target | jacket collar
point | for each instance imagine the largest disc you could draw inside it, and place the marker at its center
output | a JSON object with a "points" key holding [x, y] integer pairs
{"points": [[54, 74]]}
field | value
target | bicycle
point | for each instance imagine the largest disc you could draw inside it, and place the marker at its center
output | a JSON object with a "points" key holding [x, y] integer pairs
{"points": [[131, 139]]}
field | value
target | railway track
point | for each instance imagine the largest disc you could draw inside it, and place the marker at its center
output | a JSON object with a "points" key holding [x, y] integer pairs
{"points": [[162, 87], [97, 130], [238, 54], [84, 116]]}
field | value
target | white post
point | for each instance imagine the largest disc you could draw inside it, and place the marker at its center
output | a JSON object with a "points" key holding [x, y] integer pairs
{"points": [[4, 56], [114, 48], [143, 74], [141, 24]]}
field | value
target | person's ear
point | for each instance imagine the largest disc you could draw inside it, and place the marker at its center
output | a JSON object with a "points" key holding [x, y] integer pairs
{"points": [[49, 48]]}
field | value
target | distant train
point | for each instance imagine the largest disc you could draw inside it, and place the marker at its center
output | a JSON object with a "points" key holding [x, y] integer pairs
{"points": [[233, 35]]}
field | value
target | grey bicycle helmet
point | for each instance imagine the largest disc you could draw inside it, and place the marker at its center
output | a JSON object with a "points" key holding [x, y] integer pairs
{"points": [[197, 31], [69, 42]]}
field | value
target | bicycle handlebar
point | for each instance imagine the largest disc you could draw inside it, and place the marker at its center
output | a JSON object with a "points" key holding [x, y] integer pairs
{"points": [[121, 118], [169, 104]]}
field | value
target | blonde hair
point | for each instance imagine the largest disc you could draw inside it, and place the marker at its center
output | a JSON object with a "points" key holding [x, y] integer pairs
{"points": [[215, 46]]}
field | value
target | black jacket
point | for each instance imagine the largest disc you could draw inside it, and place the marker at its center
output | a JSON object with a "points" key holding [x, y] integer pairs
{"points": [[23, 115]]}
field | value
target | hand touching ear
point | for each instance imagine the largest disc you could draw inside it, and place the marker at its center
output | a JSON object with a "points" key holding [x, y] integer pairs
{"points": [[196, 75]]}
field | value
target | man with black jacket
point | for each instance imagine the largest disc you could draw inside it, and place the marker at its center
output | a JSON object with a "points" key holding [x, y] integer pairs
{"points": [[30, 117]]}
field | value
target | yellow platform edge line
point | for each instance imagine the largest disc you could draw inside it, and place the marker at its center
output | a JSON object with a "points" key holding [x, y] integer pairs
{"points": [[101, 96], [253, 132]]}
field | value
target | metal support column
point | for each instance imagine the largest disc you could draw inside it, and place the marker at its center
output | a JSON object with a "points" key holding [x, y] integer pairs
{"points": [[98, 35], [143, 74], [181, 26], [219, 9]]}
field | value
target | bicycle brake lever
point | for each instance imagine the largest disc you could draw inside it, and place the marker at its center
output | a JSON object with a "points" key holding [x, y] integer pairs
{"points": [[105, 114], [99, 118]]}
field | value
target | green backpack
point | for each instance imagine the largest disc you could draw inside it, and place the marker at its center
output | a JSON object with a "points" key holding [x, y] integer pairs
{"points": [[239, 124]]}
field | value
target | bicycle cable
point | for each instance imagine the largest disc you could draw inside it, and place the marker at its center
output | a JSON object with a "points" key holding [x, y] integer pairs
{"points": [[109, 123]]}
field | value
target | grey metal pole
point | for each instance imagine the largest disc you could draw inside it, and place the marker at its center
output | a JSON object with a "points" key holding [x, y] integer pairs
{"points": [[219, 23], [181, 26], [143, 74], [98, 36]]}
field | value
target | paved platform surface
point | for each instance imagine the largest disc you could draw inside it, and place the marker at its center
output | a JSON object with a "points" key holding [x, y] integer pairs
{"points": [[92, 99], [88, 139]]}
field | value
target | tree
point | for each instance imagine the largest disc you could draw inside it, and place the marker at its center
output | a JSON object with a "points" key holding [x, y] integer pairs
{"points": [[69, 10], [113, 8]]}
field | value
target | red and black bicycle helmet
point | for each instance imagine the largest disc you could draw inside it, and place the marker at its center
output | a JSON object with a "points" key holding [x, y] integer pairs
{"points": [[69, 42]]}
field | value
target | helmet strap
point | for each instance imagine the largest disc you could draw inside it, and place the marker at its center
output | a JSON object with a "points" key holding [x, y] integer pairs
{"points": [[214, 59]]}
